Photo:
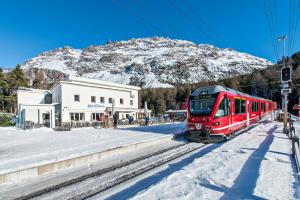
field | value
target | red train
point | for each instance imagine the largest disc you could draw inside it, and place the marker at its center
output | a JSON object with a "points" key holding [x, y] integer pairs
{"points": [[216, 112]]}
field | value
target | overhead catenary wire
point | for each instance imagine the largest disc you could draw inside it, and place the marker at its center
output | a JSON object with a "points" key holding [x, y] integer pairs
{"points": [[270, 23], [295, 19], [213, 32], [141, 18], [190, 19], [273, 26], [169, 27], [291, 24], [276, 25]]}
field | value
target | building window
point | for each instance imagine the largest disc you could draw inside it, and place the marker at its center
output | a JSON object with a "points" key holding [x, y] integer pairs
{"points": [[239, 106], [48, 98], [121, 101], [72, 116], [93, 99], [76, 97], [97, 116], [77, 116], [131, 102], [109, 100], [102, 100]]}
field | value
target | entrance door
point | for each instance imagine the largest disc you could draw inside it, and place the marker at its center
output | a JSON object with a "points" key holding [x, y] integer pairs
{"points": [[46, 120]]}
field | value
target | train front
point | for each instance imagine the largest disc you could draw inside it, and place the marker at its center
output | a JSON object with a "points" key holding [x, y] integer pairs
{"points": [[201, 107]]}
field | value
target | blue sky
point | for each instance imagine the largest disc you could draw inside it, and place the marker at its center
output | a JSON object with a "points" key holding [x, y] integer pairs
{"points": [[30, 27]]}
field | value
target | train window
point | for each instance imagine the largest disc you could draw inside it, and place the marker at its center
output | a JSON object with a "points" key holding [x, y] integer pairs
{"points": [[263, 107], [239, 106], [201, 107], [254, 106], [243, 106], [222, 109], [236, 106]]}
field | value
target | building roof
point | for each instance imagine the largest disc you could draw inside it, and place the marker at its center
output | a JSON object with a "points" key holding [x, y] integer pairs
{"points": [[88, 82], [33, 90]]}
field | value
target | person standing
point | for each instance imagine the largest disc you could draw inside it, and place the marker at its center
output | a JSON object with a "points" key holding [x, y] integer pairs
{"points": [[115, 119]]}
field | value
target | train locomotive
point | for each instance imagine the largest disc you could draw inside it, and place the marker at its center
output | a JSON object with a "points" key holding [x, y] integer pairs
{"points": [[215, 113]]}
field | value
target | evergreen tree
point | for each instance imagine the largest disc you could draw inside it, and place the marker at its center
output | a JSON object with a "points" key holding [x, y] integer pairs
{"points": [[3, 87], [14, 79]]}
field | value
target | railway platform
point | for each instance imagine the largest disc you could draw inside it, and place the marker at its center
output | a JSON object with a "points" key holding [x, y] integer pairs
{"points": [[31, 153]]}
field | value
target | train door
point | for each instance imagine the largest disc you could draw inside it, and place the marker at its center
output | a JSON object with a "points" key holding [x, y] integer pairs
{"points": [[248, 113], [227, 120], [259, 110], [229, 111]]}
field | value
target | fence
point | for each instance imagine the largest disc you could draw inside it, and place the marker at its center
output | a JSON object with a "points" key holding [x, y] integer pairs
{"points": [[295, 144]]}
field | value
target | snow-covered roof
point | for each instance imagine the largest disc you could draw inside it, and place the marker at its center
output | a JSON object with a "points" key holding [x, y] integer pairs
{"points": [[89, 82], [33, 90]]}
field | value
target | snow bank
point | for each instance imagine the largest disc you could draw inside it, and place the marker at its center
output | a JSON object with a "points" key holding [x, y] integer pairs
{"points": [[255, 165]]}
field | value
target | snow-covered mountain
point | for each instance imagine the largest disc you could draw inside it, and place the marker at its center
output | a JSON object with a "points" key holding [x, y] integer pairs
{"points": [[147, 62]]}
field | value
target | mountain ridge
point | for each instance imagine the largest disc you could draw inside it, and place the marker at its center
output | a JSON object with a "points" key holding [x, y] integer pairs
{"points": [[148, 62]]}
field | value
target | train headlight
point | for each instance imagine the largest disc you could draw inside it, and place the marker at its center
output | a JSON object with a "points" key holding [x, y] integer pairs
{"points": [[216, 124], [198, 126]]}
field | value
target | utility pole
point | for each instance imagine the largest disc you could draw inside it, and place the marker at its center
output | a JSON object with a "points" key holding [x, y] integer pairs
{"points": [[299, 109], [285, 78]]}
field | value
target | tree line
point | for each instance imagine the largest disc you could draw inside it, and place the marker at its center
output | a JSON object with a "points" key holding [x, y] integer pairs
{"points": [[263, 83], [9, 84]]}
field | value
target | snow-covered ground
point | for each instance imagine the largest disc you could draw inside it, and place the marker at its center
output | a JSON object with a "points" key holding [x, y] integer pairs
{"points": [[296, 124], [20, 149], [255, 165]]}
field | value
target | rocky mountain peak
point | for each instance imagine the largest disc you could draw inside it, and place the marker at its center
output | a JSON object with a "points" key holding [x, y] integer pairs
{"points": [[147, 62]]}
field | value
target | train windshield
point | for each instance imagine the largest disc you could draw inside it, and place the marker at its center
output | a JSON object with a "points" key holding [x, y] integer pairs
{"points": [[202, 105]]}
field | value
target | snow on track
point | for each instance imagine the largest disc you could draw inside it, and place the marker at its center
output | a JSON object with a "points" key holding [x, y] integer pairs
{"points": [[255, 165]]}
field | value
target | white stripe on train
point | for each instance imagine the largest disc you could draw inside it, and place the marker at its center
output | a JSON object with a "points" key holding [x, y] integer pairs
{"points": [[231, 125]]}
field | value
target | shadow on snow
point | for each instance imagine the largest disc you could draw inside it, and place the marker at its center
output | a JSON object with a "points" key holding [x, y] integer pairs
{"points": [[157, 177], [245, 183]]}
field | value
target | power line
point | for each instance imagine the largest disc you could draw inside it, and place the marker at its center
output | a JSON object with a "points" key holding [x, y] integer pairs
{"points": [[139, 17], [294, 30], [276, 23], [188, 18], [291, 23], [274, 31], [171, 28], [214, 33], [271, 30]]}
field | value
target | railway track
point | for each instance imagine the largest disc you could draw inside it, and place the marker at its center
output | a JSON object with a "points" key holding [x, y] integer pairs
{"points": [[101, 180]]}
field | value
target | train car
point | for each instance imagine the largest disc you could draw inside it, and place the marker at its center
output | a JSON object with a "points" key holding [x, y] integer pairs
{"points": [[216, 112]]}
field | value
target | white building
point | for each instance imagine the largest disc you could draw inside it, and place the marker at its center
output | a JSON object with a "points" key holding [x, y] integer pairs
{"points": [[77, 99]]}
